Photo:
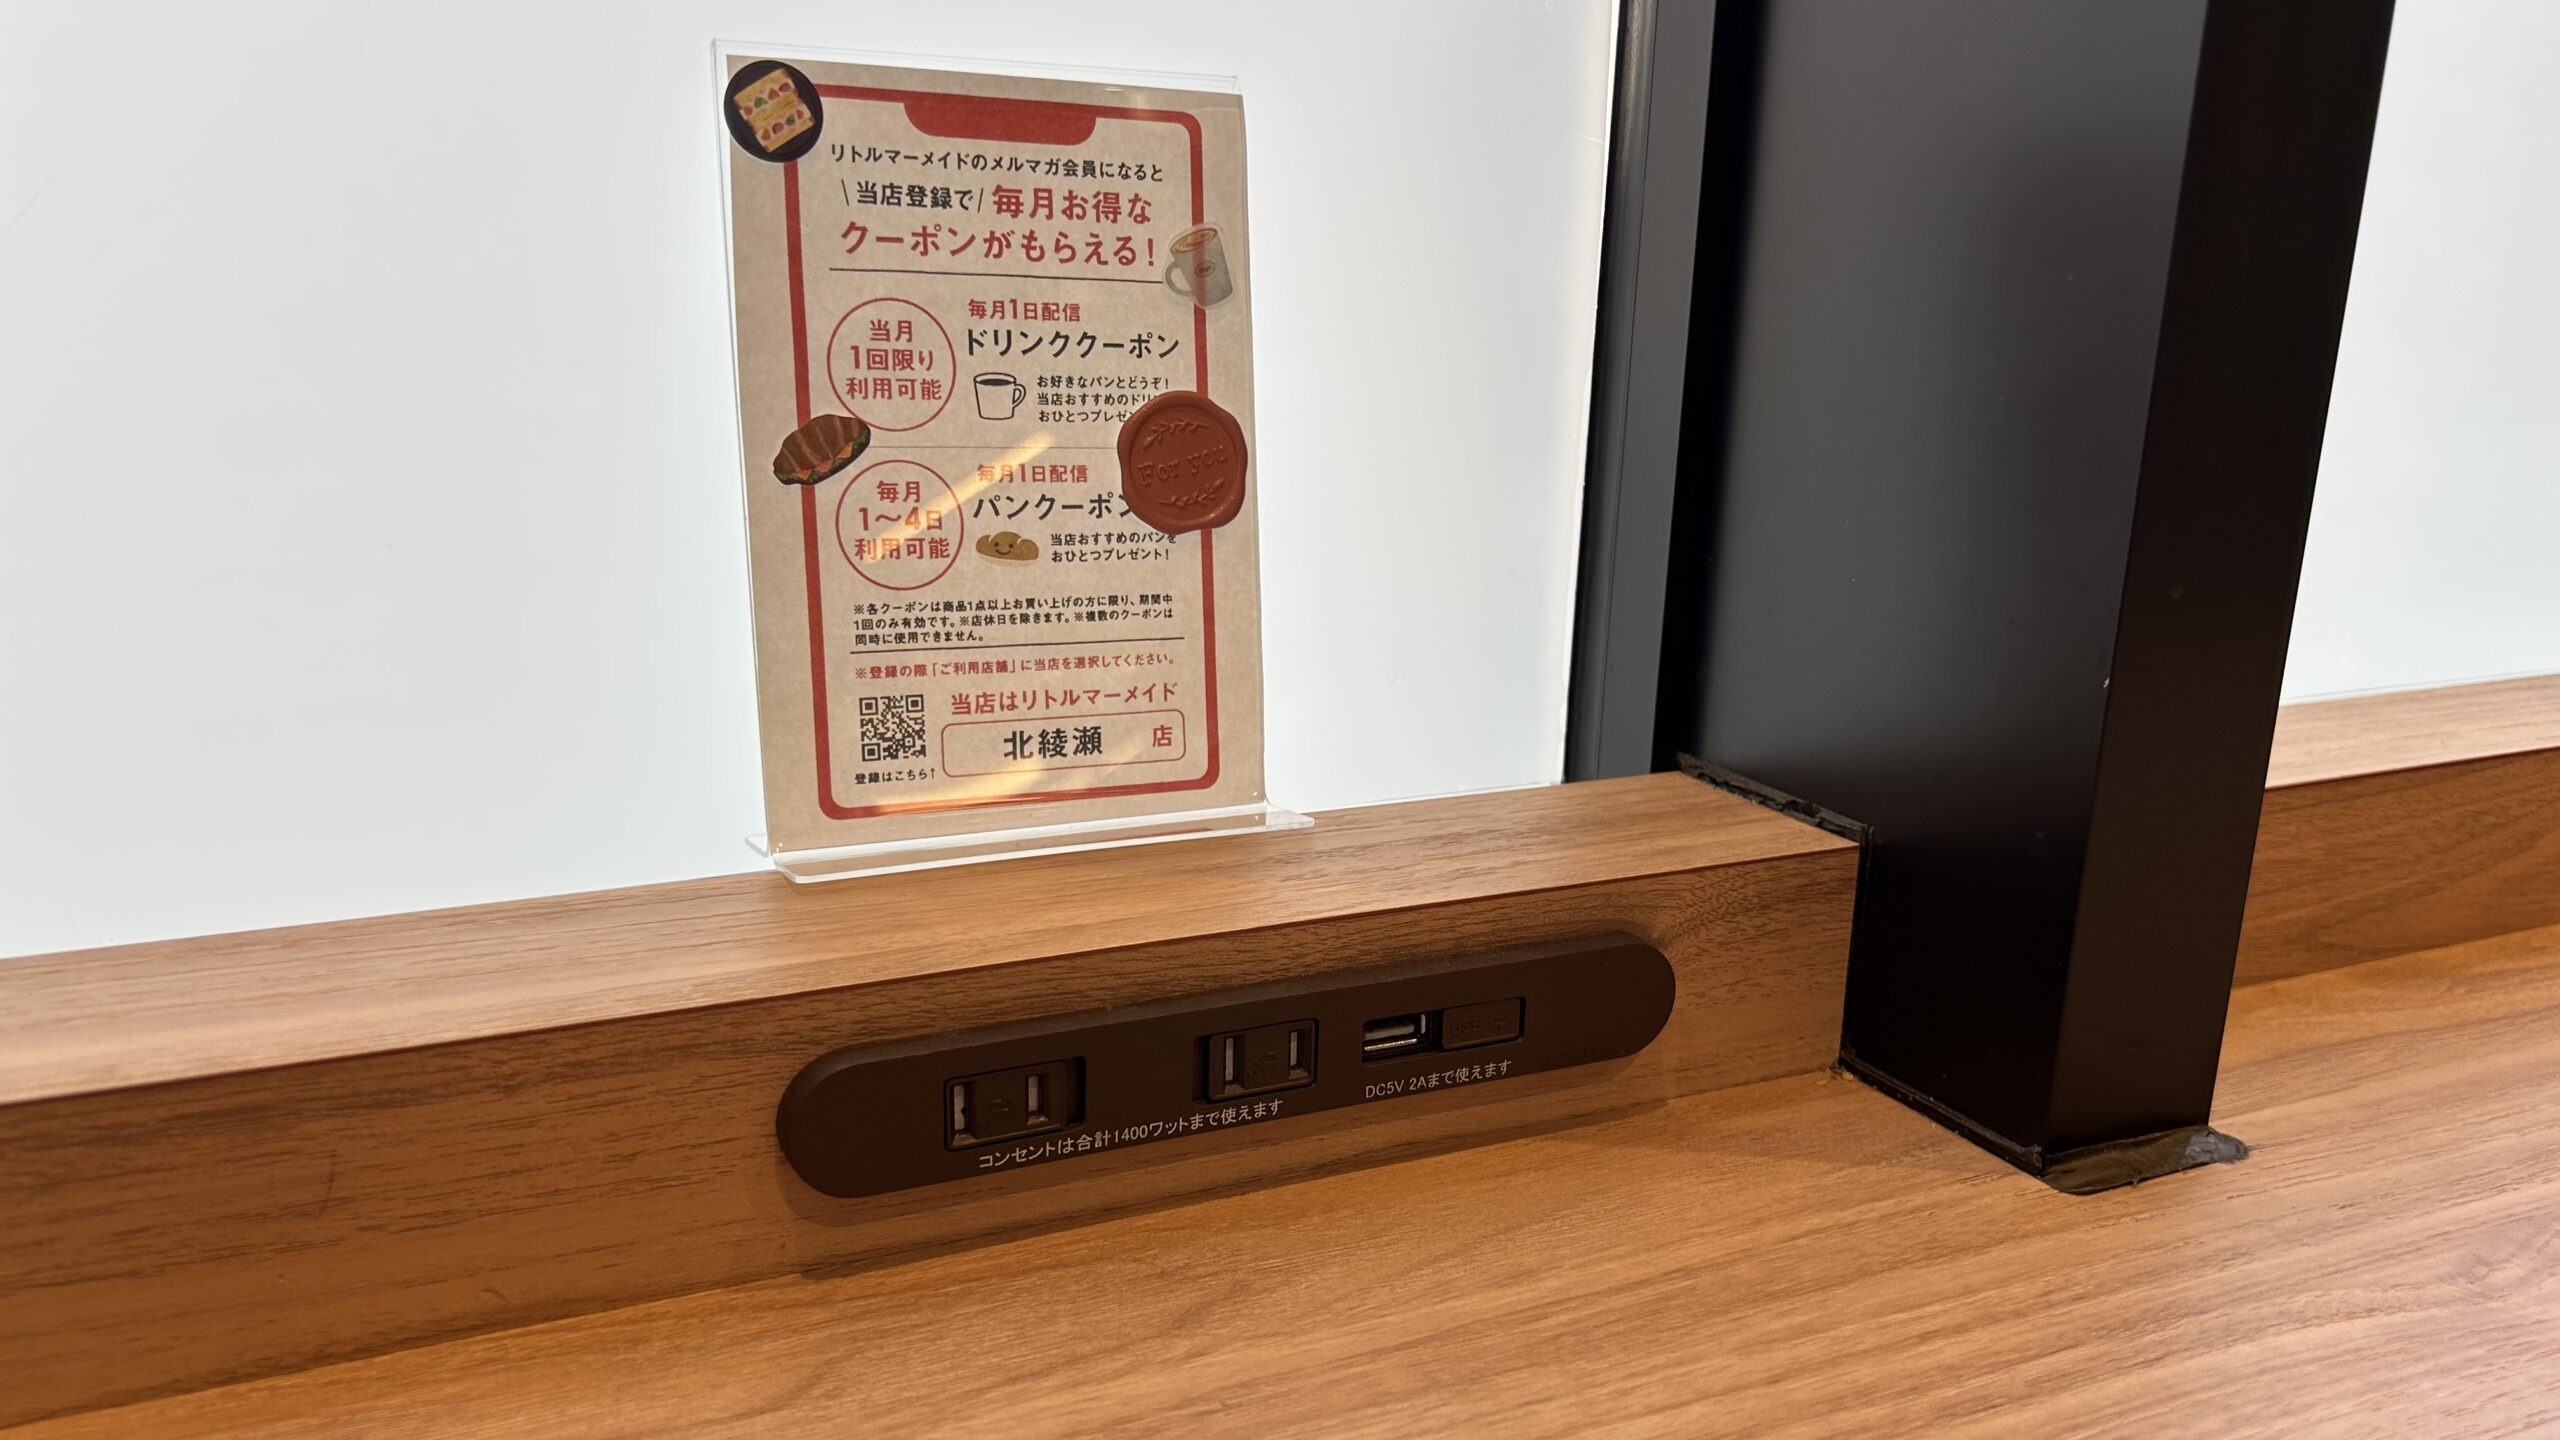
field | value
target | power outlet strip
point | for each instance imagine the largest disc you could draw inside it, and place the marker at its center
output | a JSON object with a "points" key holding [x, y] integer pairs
{"points": [[876, 1118]]}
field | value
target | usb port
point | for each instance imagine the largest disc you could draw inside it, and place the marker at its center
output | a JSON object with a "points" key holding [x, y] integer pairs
{"points": [[1393, 1035]]}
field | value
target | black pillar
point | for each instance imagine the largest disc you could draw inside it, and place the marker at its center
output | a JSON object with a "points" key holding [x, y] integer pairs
{"points": [[2011, 361]]}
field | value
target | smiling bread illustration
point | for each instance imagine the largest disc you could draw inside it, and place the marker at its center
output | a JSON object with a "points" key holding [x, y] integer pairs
{"points": [[1011, 548]]}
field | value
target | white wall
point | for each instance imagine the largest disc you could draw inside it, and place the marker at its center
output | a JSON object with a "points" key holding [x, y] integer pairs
{"points": [[368, 549], [373, 540], [2435, 537]]}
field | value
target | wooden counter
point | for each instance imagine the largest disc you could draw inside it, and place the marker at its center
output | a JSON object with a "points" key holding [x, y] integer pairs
{"points": [[1801, 1257], [243, 1156], [2405, 821], [253, 1153]]}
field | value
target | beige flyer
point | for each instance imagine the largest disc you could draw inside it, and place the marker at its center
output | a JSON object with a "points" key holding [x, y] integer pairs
{"points": [[995, 386]]}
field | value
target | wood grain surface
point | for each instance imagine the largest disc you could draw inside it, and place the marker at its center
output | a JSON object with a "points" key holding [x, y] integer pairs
{"points": [[2406, 729], [140, 1014], [237, 1224], [1796, 1258], [234, 1156], [2404, 822]]}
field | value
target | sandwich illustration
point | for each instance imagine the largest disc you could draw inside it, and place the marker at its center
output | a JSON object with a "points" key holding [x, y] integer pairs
{"points": [[773, 109]]}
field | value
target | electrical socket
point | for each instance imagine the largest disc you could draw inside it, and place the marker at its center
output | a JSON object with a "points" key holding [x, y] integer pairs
{"points": [[1009, 1104], [1258, 1061]]}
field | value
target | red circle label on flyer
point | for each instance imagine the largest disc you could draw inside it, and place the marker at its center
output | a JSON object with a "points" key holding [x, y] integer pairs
{"points": [[1182, 463]]}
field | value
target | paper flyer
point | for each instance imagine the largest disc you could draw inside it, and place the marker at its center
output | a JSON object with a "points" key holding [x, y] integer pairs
{"points": [[995, 390]]}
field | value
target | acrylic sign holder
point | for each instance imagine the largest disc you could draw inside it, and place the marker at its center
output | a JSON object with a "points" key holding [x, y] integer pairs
{"points": [[907, 853]]}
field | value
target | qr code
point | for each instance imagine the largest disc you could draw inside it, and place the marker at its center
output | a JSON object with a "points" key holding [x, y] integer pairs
{"points": [[892, 728]]}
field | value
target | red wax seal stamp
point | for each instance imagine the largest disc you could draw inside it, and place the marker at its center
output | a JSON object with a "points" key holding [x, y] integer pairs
{"points": [[1182, 463]]}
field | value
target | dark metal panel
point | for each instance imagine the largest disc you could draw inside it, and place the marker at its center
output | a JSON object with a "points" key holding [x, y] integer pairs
{"points": [[1995, 268], [1955, 253], [2274, 188], [1648, 254]]}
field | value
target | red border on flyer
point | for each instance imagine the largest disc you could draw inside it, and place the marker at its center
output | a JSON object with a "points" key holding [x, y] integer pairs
{"points": [[1023, 122]]}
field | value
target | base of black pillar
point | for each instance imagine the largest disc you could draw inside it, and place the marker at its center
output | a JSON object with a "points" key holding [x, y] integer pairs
{"points": [[2089, 1169]]}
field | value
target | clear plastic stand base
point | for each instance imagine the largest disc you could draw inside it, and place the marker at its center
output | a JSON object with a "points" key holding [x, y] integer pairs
{"points": [[888, 857]]}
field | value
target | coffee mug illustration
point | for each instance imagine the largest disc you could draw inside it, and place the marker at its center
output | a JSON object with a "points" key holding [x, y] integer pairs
{"points": [[1199, 270], [997, 396]]}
